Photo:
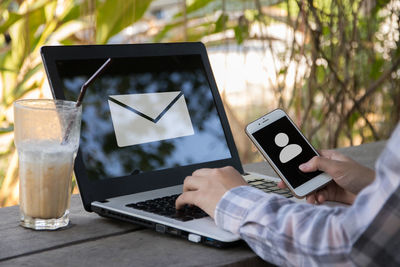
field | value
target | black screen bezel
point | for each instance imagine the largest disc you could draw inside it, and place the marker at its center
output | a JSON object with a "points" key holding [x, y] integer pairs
{"points": [[102, 189]]}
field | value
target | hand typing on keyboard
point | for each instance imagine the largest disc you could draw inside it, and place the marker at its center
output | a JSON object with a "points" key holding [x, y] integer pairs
{"points": [[205, 187], [165, 206]]}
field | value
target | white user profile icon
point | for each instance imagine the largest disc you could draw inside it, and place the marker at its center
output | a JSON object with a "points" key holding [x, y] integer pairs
{"points": [[289, 151]]}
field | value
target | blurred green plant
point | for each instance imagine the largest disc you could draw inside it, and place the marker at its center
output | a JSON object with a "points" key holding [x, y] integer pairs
{"points": [[353, 86], [344, 56], [25, 26]]}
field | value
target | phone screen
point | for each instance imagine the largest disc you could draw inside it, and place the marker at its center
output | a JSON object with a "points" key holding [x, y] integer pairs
{"points": [[287, 148]]}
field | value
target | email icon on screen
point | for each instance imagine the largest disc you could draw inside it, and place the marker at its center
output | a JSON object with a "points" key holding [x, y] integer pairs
{"points": [[144, 118]]}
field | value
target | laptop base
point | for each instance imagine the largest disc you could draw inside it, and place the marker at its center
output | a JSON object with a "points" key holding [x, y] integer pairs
{"points": [[164, 229]]}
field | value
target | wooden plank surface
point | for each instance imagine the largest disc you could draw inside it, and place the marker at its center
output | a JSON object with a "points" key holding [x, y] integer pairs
{"points": [[141, 248], [16, 240]]}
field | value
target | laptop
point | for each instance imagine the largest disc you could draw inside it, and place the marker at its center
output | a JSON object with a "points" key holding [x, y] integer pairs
{"points": [[149, 120]]}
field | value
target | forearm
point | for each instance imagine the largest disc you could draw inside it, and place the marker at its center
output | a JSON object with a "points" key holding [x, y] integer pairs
{"points": [[283, 232]]}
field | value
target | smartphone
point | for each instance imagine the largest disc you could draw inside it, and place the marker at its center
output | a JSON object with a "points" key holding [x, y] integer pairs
{"points": [[284, 147]]}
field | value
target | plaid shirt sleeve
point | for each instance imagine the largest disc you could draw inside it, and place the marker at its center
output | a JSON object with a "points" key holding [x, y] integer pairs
{"points": [[299, 234]]}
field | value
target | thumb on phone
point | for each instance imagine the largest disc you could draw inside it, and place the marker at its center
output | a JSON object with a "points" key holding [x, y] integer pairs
{"points": [[319, 163], [316, 163]]}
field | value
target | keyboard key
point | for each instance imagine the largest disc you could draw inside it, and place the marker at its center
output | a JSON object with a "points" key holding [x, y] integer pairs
{"points": [[274, 188], [165, 206], [269, 187], [256, 183], [281, 191]]}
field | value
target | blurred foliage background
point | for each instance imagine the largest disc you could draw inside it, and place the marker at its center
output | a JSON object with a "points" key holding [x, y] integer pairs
{"points": [[332, 64]]}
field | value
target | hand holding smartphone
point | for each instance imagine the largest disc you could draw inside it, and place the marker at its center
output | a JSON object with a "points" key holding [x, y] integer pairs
{"points": [[284, 147]]}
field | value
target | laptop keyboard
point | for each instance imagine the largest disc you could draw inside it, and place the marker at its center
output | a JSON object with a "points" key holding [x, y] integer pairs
{"points": [[165, 206], [269, 186]]}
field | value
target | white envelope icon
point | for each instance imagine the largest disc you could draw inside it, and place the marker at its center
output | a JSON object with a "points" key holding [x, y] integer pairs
{"points": [[143, 118]]}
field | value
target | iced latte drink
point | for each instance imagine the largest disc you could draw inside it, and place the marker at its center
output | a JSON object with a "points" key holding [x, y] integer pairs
{"points": [[47, 139]]}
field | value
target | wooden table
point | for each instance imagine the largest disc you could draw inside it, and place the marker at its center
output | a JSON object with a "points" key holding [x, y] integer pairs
{"points": [[93, 240]]}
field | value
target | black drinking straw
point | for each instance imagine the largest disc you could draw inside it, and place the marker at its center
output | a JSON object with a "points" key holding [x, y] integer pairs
{"points": [[82, 94]]}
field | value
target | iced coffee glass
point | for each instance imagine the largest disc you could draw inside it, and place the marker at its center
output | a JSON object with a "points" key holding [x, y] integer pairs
{"points": [[46, 134]]}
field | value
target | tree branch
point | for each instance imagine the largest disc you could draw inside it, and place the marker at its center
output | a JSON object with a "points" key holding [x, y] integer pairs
{"points": [[370, 90]]}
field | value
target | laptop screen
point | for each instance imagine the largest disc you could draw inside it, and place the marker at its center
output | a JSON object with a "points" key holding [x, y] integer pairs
{"points": [[144, 114]]}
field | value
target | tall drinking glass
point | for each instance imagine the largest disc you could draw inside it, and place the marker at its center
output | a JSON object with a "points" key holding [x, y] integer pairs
{"points": [[46, 134]]}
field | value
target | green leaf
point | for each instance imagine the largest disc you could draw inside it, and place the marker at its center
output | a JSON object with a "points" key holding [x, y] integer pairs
{"points": [[12, 18], [24, 90], [115, 15], [196, 5], [317, 114], [320, 73], [8, 129], [353, 118], [376, 68], [9, 70], [199, 31], [20, 89], [167, 28], [66, 30], [238, 34], [326, 30], [161, 35], [25, 36], [50, 27], [50, 10], [72, 11], [4, 4], [221, 22], [282, 70], [241, 33]]}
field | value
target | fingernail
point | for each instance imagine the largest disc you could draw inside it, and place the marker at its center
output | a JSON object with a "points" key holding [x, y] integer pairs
{"points": [[303, 166]]}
